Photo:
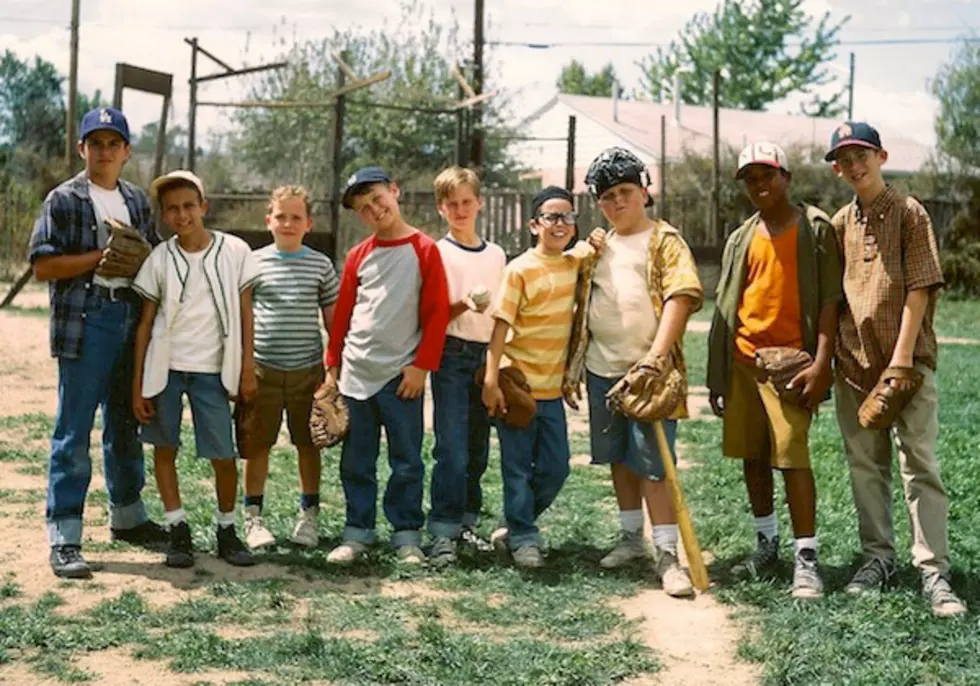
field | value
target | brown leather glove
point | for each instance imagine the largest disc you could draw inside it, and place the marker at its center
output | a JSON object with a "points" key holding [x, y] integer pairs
{"points": [[649, 392], [781, 364], [521, 405], [330, 417], [895, 387], [124, 252]]}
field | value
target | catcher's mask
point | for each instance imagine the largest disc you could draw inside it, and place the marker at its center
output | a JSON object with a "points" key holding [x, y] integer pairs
{"points": [[614, 166]]}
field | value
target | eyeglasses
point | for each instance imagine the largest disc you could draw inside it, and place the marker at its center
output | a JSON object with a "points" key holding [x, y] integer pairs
{"points": [[554, 218]]}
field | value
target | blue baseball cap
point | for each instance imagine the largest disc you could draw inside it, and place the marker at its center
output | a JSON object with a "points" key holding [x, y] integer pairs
{"points": [[363, 177], [104, 119], [853, 133]]}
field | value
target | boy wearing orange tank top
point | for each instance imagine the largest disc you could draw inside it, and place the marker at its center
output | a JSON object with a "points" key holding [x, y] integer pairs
{"points": [[780, 286]]}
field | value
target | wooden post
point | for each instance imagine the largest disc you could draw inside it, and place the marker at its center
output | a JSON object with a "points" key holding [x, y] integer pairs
{"points": [[850, 92], [337, 166], [461, 142], [663, 167], [570, 156], [161, 152], [192, 111], [476, 140], [716, 228], [71, 157]]}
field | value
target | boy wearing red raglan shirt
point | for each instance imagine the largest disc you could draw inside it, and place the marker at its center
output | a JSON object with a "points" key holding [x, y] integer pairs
{"points": [[388, 332]]}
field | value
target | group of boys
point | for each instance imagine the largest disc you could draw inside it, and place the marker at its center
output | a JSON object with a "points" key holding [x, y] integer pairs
{"points": [[217, 321]]}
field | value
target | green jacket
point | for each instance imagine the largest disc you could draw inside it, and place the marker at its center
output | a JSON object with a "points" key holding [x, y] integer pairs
{"points": [[819, 273]]}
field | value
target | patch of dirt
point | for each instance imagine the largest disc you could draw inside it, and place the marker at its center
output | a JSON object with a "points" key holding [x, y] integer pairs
{"points": [[28, 373], [119, 668]]}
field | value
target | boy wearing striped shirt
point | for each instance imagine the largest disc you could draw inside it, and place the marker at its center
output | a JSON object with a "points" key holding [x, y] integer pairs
{"points": [[295, 286], [535, 302]]}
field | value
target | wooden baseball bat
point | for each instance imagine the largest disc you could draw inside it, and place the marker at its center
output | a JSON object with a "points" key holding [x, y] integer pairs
{"points": [[699, 573]]}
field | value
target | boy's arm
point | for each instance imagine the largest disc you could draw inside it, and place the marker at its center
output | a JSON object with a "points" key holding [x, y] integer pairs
{"points": [[343, 309], [913, 313], [248, 386], [672, 324], [923, 274], [433, 310], [327, 313], [492, 396], [47, 251], [142, 407], [816, 378]]}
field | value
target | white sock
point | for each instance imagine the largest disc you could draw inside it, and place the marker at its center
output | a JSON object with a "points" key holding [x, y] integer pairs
{"points": [[631, 521], [226, 518], [665, 537], [175, 517], [767, 526], [806, 542]]}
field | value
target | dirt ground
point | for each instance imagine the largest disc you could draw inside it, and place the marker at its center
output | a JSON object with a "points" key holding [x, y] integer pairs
{"points": [[695, 640]]}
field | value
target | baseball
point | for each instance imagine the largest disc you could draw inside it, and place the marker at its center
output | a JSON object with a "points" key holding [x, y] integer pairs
{"points": [[480, 295]]}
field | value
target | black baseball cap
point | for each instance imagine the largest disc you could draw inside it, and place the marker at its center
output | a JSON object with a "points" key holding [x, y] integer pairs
{"points": [[853, 133], [364, 176]]}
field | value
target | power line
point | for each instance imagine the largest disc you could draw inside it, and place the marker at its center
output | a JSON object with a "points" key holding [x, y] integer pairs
{"points": [[643, 44]]}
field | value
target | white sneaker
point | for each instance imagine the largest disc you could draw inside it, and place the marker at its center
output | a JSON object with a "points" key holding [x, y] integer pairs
{"points": [[528, 557], [347, 552], [410, 555], [631, 546], [256, 534], [304, 533], [674, 579], [500, 539]]}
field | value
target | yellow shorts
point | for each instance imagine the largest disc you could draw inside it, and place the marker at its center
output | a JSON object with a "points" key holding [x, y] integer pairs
{"points": [[760, 426], [291, 391]]}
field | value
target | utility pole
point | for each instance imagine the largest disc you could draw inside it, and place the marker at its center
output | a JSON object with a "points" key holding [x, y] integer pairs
{"points": [[192, 119], [570, 156], [476, 150], [850, 92], [663, 167], [71, 157], [338, 161], [716, 161]]}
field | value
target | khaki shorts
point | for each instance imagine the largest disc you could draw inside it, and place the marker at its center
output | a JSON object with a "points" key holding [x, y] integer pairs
{"points": [[760, 426], [285, 390]]}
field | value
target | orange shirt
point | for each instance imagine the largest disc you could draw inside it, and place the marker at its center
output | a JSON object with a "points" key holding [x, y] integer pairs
{"points": [[769, 310]]}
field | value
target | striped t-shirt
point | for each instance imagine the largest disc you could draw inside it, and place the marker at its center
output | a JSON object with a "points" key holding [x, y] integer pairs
{"points": [[536, 299], [287, 299]]}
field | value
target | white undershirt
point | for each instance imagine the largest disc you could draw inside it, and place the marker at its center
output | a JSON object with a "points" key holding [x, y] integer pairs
{"points": [[467, 267], [108, 205], [196, 343], [622, 321]]}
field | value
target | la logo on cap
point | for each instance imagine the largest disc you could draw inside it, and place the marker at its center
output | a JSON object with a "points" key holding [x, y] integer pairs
{"points": [[105, 117], [845, 130]]}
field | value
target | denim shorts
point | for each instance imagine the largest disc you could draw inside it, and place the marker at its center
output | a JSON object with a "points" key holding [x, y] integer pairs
{"points": [[209, 410], [618, 440]]}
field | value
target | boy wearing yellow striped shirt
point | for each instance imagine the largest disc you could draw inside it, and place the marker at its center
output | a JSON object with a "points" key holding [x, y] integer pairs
{"points": [[535, 302]]}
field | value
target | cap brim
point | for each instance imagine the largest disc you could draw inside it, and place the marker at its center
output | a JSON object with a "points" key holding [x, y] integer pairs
{"points": [[763, 163], [166, 179], [832, 155], [122, 134]]}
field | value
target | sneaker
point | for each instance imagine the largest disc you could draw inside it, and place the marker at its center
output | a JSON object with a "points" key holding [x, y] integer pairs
{"points": [[762, 561], [806, 577], [443, 551], [471, 539], [304, 533], [257, 536], [944, 602], [674, 579], [347, 552], [874, 575], [149, 534], [410, 555], [528, 557], [180, 550], [68, 563], [631, 546], [231, 549]]}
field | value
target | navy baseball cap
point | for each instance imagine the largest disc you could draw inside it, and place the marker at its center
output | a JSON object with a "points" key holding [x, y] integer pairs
{"points": [[104, 119], [364, 176], [853, 133]]}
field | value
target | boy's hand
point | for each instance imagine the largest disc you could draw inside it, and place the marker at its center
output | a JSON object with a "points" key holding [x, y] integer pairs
{"points": [[413, 383], [572, 392], [814, 381], [493, 400], [330, 377], [717, 402], [248, 387], [142, 407], [597, 239]]}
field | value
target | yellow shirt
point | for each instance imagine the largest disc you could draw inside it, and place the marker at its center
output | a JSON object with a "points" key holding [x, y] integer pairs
{"points": [[536, 299]]}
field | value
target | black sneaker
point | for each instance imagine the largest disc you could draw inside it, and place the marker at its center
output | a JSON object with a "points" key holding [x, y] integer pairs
{"points": [[68, 563], [149, 534], [180, 551], [874, 575], [762, 562], [231, 549]]}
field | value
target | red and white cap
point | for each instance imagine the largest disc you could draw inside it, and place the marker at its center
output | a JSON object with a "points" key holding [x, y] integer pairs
{"points": [[762, 152]]}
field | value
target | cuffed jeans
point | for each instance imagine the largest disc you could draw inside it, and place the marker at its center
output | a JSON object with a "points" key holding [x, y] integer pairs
{"points": [[101, 377], [402, 422], [462, 441], [534, 464]]}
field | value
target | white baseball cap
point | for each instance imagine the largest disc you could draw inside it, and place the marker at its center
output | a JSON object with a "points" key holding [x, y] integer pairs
{"points": [[176, 175], [762, 152]]}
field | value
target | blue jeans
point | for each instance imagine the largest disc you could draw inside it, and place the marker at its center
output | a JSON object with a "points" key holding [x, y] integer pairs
{"points": [[101, 377], [402, 422], [534, 466], [462, 445], [209, 411]]}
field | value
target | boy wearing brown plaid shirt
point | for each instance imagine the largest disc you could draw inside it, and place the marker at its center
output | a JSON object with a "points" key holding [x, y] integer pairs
{"points": [[892, 279]]}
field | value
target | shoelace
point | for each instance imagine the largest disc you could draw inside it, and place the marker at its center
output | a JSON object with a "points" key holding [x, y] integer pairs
{"points": [[873, 572], [70, 555]]}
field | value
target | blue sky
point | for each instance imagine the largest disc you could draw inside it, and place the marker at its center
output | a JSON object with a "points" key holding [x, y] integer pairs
{"points": [[891, 85]]}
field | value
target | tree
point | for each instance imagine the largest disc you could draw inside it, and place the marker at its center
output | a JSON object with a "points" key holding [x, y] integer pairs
{"points": [[766, 49], [32, 109], [575, 80], [957, 88]]}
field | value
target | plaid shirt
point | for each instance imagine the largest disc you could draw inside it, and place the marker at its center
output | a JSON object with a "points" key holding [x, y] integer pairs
{"points": [[68, 226], [888, 250]]}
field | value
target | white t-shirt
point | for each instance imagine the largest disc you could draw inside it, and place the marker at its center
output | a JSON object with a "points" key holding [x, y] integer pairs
{"points": [[467, 267], [108, 205], [622, 321], [196, 340]]}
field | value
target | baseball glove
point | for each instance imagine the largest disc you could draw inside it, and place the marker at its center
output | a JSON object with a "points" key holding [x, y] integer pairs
{"points": [[330, 418], [245, 428], [521, 405], [895, 387], [124, 251], [649, 392], [781, 364]]}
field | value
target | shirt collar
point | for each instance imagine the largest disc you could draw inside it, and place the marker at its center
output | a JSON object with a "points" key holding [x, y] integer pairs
{"points": [[879, 205]]}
